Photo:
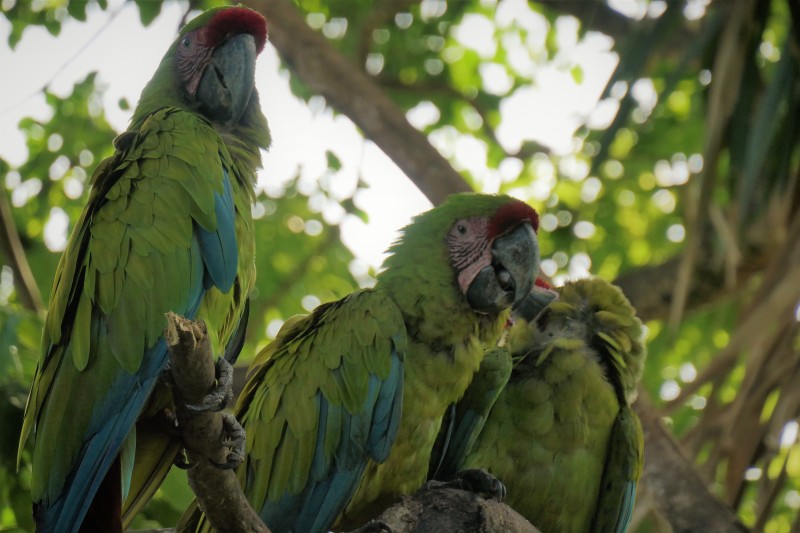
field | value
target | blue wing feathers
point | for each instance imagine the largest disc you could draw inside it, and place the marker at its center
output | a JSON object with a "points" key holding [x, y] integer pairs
{"points": [[112, 422], [219, 247], [627, 508], [386, 417], [363, 436]]}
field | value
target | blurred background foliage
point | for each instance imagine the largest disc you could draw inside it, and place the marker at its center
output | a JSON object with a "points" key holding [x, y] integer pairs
{"points": [[695, 164]]}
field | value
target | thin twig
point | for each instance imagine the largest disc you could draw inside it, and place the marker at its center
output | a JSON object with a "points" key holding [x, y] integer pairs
{"points": [[11, 245]]}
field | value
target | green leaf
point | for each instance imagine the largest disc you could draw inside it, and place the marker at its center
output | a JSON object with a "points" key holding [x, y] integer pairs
{"points": [[148, 10], [577, 74], [77, 9], [334, 163]]}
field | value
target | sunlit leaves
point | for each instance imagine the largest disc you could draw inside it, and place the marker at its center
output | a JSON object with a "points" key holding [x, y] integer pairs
{"points": [[63, 152], [22, 14], [20, 331], [148, 10]]}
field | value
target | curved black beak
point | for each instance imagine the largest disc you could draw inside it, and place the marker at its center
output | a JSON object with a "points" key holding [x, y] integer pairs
{"points": [[228, 80], [510, 277]]}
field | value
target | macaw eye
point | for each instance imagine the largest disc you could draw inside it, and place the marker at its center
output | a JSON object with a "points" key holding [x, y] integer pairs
{"points": [[186, 42], [461, 229]]}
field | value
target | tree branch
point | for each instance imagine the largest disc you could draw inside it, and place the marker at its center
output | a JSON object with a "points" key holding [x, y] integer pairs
{"points": [[597, 15], [670, 480], [314, 60], [446, 509], [218, 491], [650, 289], [12, 248]]}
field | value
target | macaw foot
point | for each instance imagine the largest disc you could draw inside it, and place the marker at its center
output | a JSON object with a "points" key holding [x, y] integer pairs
{"points": [[234, 439], [217, 399], [473, 480], [374, 526]]}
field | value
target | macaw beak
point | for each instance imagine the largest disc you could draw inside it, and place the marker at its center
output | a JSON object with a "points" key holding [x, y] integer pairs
{"points": [[532, 306], [510, 277], [228, 80]]}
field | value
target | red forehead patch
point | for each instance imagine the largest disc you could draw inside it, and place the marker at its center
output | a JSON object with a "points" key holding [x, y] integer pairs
{"points": [[233, 21], [511, 215]]}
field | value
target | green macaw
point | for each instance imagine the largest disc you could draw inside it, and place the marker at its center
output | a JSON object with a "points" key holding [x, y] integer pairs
{"points": [[464, 420], [167, 228], [561, 434], [342, 408]]}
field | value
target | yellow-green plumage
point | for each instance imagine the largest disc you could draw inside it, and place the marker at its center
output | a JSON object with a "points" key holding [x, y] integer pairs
{"points": [[345, 404], [463, 421], [562, 436]]}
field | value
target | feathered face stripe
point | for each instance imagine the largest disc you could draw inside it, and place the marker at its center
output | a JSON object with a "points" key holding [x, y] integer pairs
{"points": [[236, 20], [510, 215]]}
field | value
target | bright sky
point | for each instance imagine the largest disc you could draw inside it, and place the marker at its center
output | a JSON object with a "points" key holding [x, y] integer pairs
{"points": [[114, 43]]}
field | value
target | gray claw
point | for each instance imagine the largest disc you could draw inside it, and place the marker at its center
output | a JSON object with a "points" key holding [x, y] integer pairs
{"points": [[473, 480], [234, 438], [222, 394]]}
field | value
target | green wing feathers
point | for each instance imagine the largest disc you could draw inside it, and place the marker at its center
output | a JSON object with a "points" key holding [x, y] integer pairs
{"points": [[623, 468], [464, 422], [312, 402]]}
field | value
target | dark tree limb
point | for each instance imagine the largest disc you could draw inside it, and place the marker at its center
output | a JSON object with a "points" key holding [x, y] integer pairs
{"points": [[347, 88], [597, 15], [651, 288], [11, 246], [218, 491], [671, 481], [433, 510]]}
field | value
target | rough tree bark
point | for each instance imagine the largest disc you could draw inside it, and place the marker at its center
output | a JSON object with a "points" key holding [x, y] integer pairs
{"points": [[193, 374], [437, 510], [317, 63], [672, 483]]}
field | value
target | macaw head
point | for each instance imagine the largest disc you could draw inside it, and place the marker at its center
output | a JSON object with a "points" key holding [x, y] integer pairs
{"points": [[480, 249], [598, 313], [210, 67]]}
